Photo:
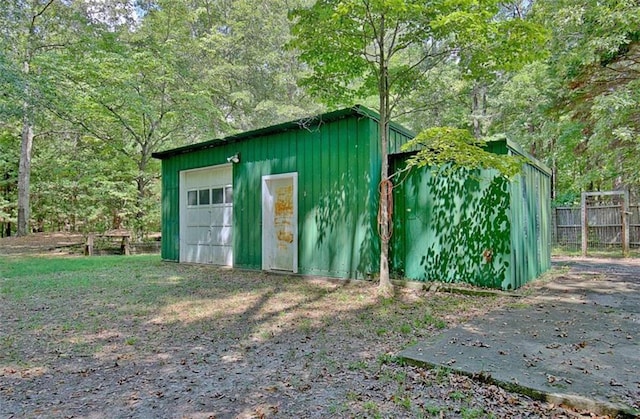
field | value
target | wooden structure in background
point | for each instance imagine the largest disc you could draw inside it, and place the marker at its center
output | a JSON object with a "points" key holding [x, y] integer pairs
{"points": [[620, 221], [124, 236], [604, 220]]}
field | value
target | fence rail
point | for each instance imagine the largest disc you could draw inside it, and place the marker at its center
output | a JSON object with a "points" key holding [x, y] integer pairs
{"points": [[604, 226]]}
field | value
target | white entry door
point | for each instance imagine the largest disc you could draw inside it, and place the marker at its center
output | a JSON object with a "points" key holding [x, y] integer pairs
{"points": [[206, 220], [280, 222]]}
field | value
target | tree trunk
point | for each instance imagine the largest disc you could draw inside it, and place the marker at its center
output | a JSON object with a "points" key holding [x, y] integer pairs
{"points": [[140, 212], [478, 109], [24, 179], [385, 287], [5, 231], [474, 112], [141, 183], [24, 168]]}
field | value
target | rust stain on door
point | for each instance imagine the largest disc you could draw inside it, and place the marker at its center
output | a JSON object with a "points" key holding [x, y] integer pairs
{"points": [[284, 201], [283, 212]]}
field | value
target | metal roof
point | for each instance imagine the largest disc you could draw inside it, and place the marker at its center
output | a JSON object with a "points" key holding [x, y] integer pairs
{"points": [[356, 110]]}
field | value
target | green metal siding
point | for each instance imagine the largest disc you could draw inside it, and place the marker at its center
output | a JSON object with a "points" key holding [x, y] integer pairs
{"points": [[444, 225], [531, 232], [335, 236], [170, 249], [338, 166]]}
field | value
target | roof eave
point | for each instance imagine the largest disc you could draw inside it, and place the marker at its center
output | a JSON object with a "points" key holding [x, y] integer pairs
{"points": [[286, 126]]}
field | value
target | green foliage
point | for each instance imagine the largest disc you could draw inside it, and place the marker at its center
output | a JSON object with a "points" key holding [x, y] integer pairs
{"points": [[588, 32], [522, 102], [110, 85], [446, 149], [79, 184], [10, 86], [344, 42], [489, 42], [583, 98], [129, 96], [439, 98], [253, 77]]}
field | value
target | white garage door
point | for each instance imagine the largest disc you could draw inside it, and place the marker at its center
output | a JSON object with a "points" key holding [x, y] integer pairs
{"points": [[207, 214]]}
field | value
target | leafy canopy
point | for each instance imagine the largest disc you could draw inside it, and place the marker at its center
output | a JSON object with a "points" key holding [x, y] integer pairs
{"points": [[349, 43], [447, 149]]}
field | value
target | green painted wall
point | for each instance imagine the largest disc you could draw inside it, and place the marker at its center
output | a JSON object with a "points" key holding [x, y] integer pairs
{"points": [[445, 227], [531, 226], [338, 167]]}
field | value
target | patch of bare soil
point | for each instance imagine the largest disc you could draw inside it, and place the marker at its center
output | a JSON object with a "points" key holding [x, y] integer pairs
{"points": [[200, 342]]}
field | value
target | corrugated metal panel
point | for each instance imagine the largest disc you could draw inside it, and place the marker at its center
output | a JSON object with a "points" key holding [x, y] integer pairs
{"points": [[335, 233], [445, 227], [531, 220], [452, 229], [397, 138], [531, 230], [338, 167], [357, 111]]}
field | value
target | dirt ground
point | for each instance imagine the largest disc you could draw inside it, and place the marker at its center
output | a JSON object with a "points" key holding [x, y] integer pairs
{"points": [[45, 243], [271, 346]]}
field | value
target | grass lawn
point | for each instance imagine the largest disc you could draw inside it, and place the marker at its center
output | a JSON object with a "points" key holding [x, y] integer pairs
{"points": [[137, 337]]}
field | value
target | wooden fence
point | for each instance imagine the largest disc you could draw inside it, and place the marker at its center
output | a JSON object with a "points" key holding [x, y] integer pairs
{"points": [[604, 226]]}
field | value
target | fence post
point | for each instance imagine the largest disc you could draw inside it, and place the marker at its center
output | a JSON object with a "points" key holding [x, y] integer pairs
{"points": [[554, 226], [585, 223], [625, 224], [88, 248]]}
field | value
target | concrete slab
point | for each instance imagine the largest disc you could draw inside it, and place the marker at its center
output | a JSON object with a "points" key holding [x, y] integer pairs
{"points": [[575, 340]]}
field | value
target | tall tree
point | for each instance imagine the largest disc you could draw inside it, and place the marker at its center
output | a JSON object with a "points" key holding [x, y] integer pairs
{"points": [[182, 73], [138, 91], [381, 48], [254, 78], [595, 64], [30, 31]]}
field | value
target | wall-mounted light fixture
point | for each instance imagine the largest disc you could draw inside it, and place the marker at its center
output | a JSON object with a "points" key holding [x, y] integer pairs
{"points": [[234, 159]]}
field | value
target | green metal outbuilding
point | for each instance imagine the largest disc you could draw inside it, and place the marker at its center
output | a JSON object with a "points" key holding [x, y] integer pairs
{"points": [[475, 226], [302, 197]]}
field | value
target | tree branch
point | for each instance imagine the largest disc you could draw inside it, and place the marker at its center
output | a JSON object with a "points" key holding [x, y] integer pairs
{"points": [[37, 15]]}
